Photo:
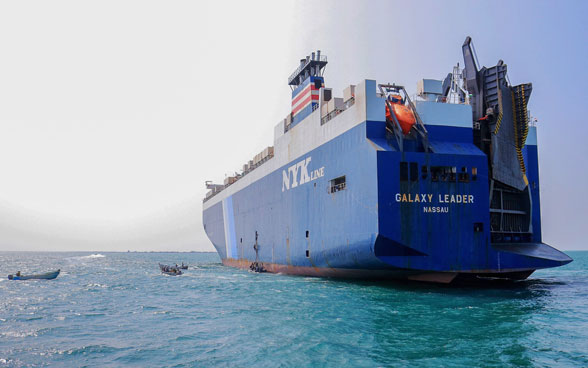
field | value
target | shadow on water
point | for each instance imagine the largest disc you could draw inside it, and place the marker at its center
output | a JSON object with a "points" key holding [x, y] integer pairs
{"points": [[489, 323], [204, 266], [465, 286]]}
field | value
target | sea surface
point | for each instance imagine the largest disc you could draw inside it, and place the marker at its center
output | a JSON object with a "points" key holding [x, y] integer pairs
{"points": [[117, 309]]}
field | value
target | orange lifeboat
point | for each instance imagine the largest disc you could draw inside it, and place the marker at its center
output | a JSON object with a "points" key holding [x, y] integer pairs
{"points": [[403, 114]]}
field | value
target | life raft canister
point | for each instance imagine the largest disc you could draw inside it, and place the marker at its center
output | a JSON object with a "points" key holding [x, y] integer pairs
{"points": [[403, 114]]}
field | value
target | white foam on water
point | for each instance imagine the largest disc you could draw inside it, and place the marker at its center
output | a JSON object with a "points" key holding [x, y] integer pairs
{"points": [[83, 258], [93, 256]]}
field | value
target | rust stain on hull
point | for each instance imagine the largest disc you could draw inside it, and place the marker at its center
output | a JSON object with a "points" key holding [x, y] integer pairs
{"points": [[414, 275], [313, 271]]}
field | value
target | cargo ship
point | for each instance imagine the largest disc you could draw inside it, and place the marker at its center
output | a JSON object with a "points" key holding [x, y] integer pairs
{"points": [[439, 186]]}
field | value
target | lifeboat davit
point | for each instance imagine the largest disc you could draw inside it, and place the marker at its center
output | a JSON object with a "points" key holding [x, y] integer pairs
{"points": [[403, 114]]}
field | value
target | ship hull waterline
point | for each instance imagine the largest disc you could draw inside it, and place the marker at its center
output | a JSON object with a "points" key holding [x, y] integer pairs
{"points": [[378, 275]]}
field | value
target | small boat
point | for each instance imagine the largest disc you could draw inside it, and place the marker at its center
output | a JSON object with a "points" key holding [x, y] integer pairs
{"points": [[170, 270], [257, 267], [41, 276], [175, 272]]}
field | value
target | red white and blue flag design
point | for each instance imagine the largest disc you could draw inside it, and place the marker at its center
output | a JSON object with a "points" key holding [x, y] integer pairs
{"points": [[307, 95]]}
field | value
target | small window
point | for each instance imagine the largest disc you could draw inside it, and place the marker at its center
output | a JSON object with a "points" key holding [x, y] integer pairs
{"points": [[404, 171], [337, 184], [307, 253], [306, 234], [474, 173], [424, 172], [435, 173], [463, 176], [241, 240], [453, 174], [443, 173], [414, 171]]}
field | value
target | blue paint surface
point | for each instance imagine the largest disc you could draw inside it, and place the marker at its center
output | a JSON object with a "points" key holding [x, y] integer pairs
{"points": [[439, 135], [530, 155], [229, 223], [303, 114], [367, 225]]}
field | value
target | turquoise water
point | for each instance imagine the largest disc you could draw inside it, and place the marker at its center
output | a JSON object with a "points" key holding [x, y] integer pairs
{"points": [[116, 309]]}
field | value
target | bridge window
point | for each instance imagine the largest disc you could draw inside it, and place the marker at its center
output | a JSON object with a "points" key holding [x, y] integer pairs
{"points": [[414, 171], [435, 173], [404, 171], [463, 176], [424, 172], [443, 173], [474, 173], [337, 184]]}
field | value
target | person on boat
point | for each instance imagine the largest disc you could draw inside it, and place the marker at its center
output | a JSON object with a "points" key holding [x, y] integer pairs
{"points": [[18, 273]]}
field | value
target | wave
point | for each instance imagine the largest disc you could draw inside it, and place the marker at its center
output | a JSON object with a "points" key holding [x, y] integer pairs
{"points": [[97, 255]]}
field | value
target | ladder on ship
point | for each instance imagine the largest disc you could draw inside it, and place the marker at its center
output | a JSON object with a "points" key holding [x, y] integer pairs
{"points": [[520, 95]]}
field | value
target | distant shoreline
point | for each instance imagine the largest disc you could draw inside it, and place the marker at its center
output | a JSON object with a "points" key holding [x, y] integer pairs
{"points": [[156, 251], [104, 251]]}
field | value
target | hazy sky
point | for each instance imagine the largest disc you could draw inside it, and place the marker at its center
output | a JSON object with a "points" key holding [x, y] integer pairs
{"points": [[114, 113]]}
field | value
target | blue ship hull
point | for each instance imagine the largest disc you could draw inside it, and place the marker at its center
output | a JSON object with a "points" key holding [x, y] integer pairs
{"points": [[346, 196], [363, 230]]}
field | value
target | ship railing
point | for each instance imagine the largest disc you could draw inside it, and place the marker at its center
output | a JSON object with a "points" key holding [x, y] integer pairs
{"points": [[337, 187], [532, 120], [302, 66], [441, 99], [347, 104], [454, 101], [508, 231], [212, 193], [255, 166], [217, 188]]}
